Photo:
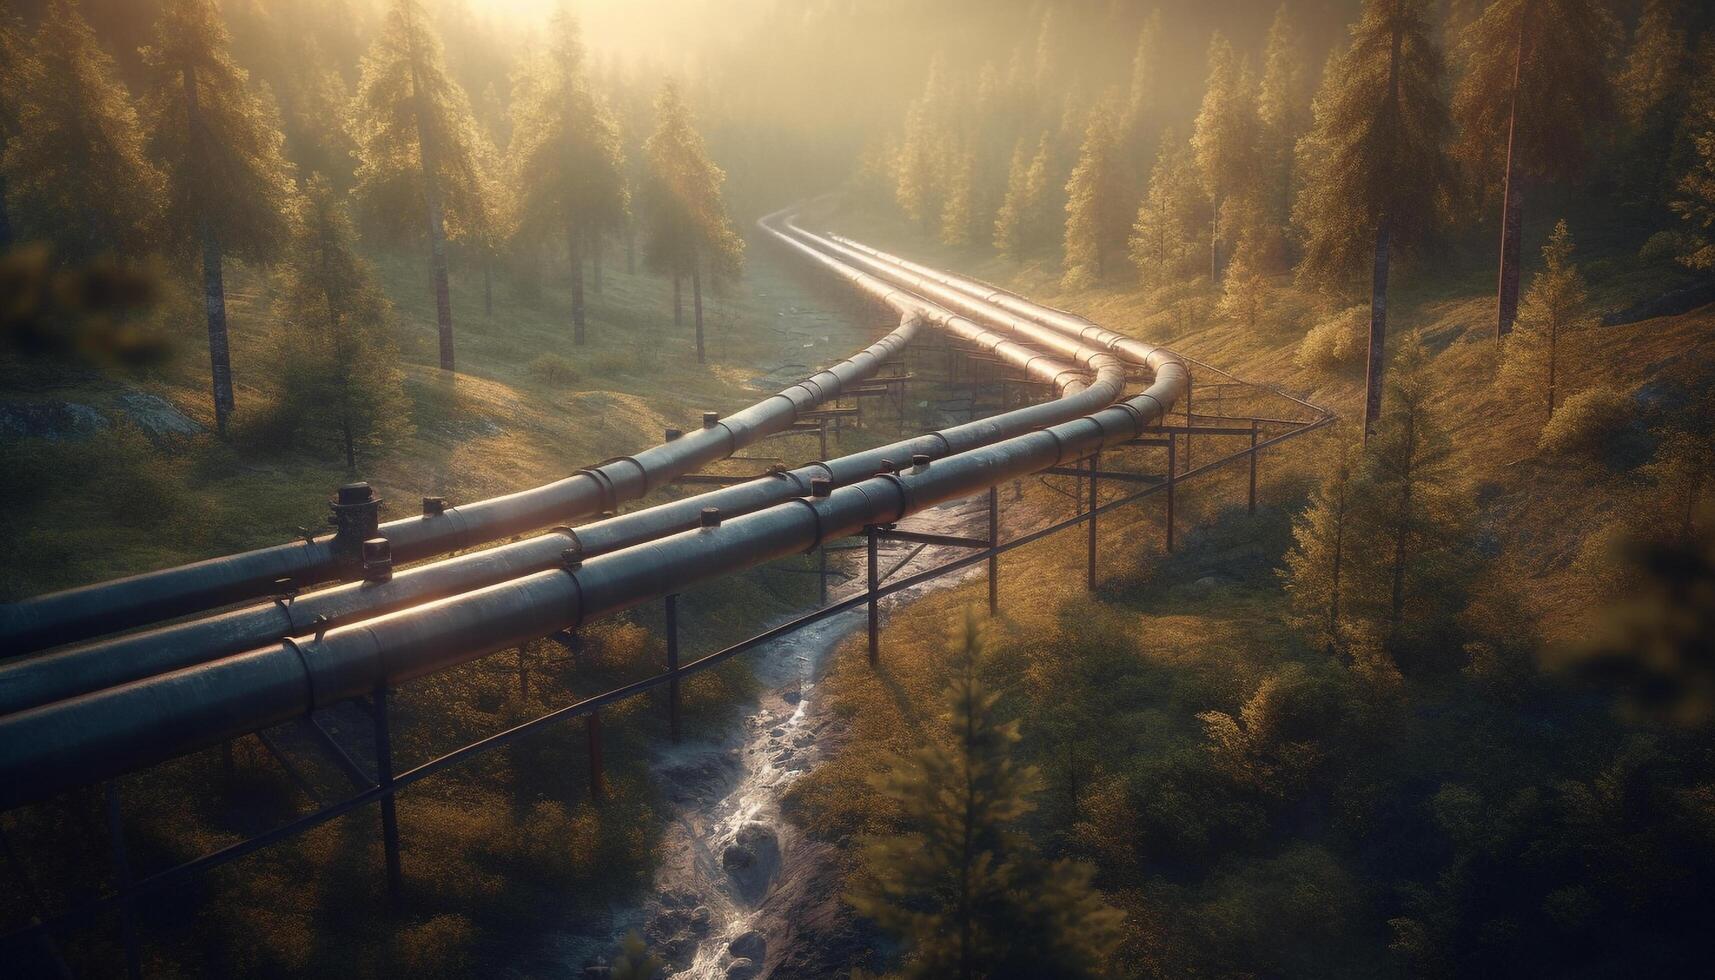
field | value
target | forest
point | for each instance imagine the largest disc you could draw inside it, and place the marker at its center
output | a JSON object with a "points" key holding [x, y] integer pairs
{"points": [[1429, 692]]}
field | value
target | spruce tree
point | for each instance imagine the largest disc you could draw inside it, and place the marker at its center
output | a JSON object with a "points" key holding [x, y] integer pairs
{"points": [[1096, 212], [1170, 221], [568, 171], [1317, 573], [78, 174], [1556, 305], [342, 384], [1143, 102], [961, 886], [921, 177], [1516, 123], [1019, 225], [1694, 201], [1404, 573], [690, 231], [227, 180], [1283, 114], [1380, 177], [1225, 135], [416, 145], [958, 214], [1651, 89]]}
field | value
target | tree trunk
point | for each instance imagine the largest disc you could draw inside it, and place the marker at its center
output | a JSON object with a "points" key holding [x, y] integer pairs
{"points": [[595, 262], [1214, 244], [1512, 203], [1403, 530], [678, 304], [214, 302], [1378, 330], [577, 257], [697, 308], [213, 282], [432, 205], [1553, 330]]}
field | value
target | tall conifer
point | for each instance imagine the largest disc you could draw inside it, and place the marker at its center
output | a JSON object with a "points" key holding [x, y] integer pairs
{"points": [[1096, 212], [1225, 134], [228, 183]]}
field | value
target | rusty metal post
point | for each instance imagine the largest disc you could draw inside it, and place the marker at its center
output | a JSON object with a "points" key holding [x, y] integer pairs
{"points": [[122, 879], [994, 556], [1095, 464], [1172, 482], [598, 781], [672, 603], [384, 779], [1251, 506], [874, 603]]}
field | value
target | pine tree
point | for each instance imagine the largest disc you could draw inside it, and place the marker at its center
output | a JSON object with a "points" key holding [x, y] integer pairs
{"points": [[228, 183], [1283, 114], [342, 385], [1515, 122], [689, 229], [1317, 573], [1097, 215], [920, 176], [416, 144], [1143, 102], [1019, 227], [1694, 201], [1225, 135], [1164, 238], [1556, 305], [961, 886], [1380, 176], [77, 172], [568, 171], [1651, 88], [958, 214], [1409, 510]]}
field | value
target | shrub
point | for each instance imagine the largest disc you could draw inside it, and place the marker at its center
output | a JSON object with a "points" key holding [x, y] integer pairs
{"points": [[1336, 343], [553, 369], [1663, 248], [1586, 424]]}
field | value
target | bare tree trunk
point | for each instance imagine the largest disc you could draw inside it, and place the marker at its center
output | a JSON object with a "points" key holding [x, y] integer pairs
{"points": [[697, 307], [436, 218], [596, 244], [1512, 203], [576, 246], [1378, 330], [213, 282], [678, 304]]}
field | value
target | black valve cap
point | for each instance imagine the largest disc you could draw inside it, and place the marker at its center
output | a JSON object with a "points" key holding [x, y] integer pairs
{"points": [[355, 493], [921, 461], [434, 506], [673, 434], [711, 517], [710, 418], [821, 486]]}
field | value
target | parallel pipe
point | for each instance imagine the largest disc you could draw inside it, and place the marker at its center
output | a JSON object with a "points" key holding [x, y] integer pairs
{"points": [[100, 735], [106, 607]]}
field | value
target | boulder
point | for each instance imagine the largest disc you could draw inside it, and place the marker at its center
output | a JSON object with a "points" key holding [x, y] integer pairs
{"points": [[748, 945], [752, 860], [742, 970]]}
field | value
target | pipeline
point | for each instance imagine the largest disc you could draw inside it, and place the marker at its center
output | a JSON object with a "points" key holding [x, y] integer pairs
{"points": [[151, 597], [105, 663], [99, 735]]}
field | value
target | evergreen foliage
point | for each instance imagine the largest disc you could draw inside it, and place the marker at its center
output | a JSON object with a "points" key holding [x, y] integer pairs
{"points": [[342, 378], [1283, 114], [961, 886], [689, 231], [228, 185], [417, 148], [19, 72], [958, 215], [78, 174], [1166, 239], [1225, 135], [1694, 201], [1020, 227], [1556, 305], [1096, 213], [568, 171]]}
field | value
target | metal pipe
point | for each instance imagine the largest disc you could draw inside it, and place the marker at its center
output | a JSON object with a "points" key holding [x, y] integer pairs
{"points": [[105, 607], [104, 663], [56, 746]]}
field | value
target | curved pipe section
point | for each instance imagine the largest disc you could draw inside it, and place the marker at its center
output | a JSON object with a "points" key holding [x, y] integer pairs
{"points": [[99, 735], [106, 607]]}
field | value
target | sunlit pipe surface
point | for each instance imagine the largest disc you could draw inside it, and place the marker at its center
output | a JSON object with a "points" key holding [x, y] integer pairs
{"points": [[78, 670], [56, 746], [150, 597]]}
